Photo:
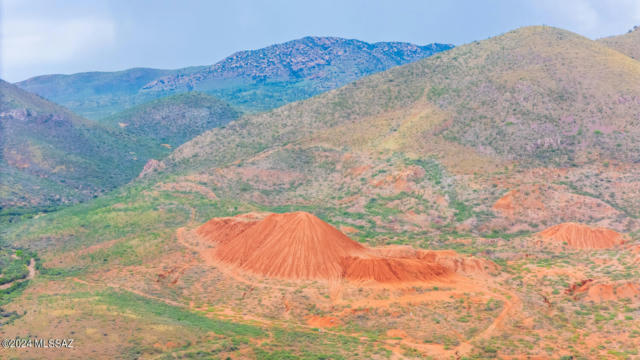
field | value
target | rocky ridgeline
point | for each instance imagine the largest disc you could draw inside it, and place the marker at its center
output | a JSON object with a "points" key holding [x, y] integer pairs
{"points": [[327, 59]]}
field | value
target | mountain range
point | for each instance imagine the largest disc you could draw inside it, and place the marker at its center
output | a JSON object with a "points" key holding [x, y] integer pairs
{"points": [[141, 120], [253, 80]]}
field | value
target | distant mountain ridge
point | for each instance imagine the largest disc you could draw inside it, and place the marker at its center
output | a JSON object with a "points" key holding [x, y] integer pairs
{"points": [[96, 94], [252, 80], [331, 61]]}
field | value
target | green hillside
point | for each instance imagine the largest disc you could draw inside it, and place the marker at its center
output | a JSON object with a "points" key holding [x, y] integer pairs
{"points": [[519, 96], [51, 156], [175, 119]]}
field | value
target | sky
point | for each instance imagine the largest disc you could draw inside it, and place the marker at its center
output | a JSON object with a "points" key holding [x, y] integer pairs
{"points": [[67, 36]]}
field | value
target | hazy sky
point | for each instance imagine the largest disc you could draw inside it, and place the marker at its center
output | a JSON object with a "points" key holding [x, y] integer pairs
{"points": [[55, 36]]}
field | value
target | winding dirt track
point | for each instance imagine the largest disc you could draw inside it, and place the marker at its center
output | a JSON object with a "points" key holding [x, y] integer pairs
{"points": [[512, 305], [32, 269], [32, 274]]}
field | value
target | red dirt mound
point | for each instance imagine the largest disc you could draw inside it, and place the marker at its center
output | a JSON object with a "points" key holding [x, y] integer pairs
{"points": [[323, 321], [448, 259], [391, 270], [301, 246], [397, 251], [505, 203], [294, 245], [517, 202], [222, 229], [600, 292], [577, 287], [628, 290], [581, 236]]}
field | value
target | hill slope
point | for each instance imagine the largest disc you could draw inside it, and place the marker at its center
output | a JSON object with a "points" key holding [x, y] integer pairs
{"points": [[443, 126], [628, 44], [175, 119], [253, 80], [52, 156], [520, 96]]}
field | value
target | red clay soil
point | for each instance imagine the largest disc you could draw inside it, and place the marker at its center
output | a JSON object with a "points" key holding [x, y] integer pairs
{"points": [[505, 203], [599, 292], [581, 236], [226, 228], [628, 290], [392, 270], [396, 333], [294, 245], [323, 321], [397, 251], [515, 201], [577, 287], [460, 264], [348, 229], [301, 246], [449, 259]]}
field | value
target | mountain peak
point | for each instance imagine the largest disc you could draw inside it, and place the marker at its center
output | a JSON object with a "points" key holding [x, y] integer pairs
{"points": [[326, 62]]}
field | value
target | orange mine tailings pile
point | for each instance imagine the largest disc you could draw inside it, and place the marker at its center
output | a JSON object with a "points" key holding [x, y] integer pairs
{"points": [[295, 246], [581, 236], [601, 292], [390, 270], [223, 229], [301, 246]]}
